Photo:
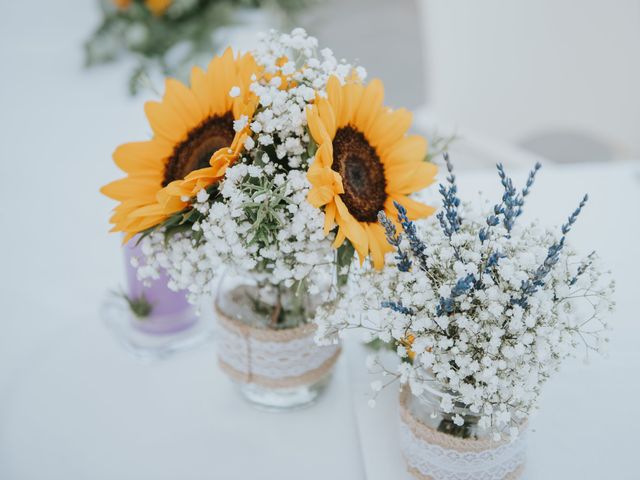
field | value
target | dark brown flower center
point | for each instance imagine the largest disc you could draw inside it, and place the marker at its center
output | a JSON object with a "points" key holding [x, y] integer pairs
{"points": [[202, 142], [362, 174]]}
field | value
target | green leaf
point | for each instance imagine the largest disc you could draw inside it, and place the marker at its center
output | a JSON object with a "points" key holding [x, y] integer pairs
{"points": [[344, 257]]}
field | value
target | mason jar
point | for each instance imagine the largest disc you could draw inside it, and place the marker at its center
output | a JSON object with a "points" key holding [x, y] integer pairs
{"points": [[435, 447], [265, 341]]}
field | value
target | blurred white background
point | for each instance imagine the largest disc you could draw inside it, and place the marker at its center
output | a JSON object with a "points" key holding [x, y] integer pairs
{"points": [[558, 77]]}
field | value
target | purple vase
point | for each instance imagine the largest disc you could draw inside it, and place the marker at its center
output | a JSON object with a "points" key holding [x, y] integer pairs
{"points": [[171, 312]]}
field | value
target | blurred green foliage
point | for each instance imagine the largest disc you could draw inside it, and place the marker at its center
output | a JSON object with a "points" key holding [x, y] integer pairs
{"points": [[172, 42]]}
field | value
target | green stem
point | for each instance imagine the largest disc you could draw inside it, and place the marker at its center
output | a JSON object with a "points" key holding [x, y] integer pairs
{"points": [[460, 431]]}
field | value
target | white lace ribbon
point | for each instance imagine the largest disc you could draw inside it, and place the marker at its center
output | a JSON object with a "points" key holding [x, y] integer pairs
{"points": [[278, 358], [433, 455]]}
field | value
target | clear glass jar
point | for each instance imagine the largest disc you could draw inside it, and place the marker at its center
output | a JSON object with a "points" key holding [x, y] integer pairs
{"points": [[427, 409], [253, 300], [266, 343], [435, 447]]}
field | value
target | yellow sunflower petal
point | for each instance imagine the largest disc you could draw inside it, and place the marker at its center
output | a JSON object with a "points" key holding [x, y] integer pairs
{"points": [[334, 96], [169, 203], [370, 105], [324, 154], [339, 240], [316, 126], [405, 180], [183, 101], [329, 217], [351, 95], [165, 122], [216, 87], [377, 244], [129, 187], [327, 117], [147, 211], [141, 157], [388, 128], [415, 209], [319, 175], [353, 229], [202, 90], [412, 148], [228, 77], [319, 196]]}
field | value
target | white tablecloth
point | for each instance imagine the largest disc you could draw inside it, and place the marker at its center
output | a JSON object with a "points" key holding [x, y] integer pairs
{"points": [[74, 405]]}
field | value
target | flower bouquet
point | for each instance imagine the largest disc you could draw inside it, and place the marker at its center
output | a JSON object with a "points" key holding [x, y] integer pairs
{"points": [[266, 175], [167, 37], [481, 310]]}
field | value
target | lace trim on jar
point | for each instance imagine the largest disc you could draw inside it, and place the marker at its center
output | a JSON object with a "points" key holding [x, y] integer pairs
{"points": [[272, 358], [433, 455]]}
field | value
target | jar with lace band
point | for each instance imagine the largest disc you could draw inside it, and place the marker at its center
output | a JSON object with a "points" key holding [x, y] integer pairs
{"points": [[439, 445], [265, 341]]}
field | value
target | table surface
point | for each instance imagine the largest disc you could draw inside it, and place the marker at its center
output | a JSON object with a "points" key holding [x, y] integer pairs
{"points": [[73, 404]]}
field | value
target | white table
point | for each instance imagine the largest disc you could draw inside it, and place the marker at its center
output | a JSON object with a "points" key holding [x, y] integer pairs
{"points": [[73, 405]]}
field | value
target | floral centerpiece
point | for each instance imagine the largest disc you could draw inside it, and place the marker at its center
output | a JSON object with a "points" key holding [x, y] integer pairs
{"points": [[481, 310], [167, 37], [273, 167]]}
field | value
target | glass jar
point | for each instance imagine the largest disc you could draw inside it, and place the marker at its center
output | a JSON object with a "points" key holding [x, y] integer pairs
{"points": [[150, 320], [266, 343], [437, 448], [427, 408]]}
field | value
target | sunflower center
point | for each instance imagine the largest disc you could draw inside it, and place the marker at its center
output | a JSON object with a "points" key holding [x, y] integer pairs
{"points": [[362, 174], [195, 152]]}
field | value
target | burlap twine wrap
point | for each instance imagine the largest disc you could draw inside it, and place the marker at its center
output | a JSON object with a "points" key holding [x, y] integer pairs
{"points": [[433, 455], [285, 358]]}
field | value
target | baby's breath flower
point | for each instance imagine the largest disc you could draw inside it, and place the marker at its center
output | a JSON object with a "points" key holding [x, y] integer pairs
{"points": [[471, 312]]}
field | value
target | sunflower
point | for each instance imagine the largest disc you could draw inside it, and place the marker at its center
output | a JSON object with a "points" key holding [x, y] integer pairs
{"points": [[122, 4], [365, 162], [157, 7], [194, 142]]}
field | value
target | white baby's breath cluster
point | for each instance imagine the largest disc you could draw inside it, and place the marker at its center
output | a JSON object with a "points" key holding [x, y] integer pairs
{"points": [[300, 248], [184, 262], [490, 352], [260, 220], [291, 61]]}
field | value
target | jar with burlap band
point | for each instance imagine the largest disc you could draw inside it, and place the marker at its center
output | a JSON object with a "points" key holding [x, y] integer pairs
{"points": [[432, 452], [276, 365]]}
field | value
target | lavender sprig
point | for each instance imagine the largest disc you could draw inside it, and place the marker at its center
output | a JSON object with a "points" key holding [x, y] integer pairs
{"points": [[394, 239], [566, 228], [530, 286], [449, 218], [531, 179], [462, 286], [510, 200], [583, 268], [418, 248], [512, 203], [396, 307]]}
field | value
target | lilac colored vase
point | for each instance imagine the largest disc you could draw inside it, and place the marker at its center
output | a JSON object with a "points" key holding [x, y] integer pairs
{"points": [[171, 312]]}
